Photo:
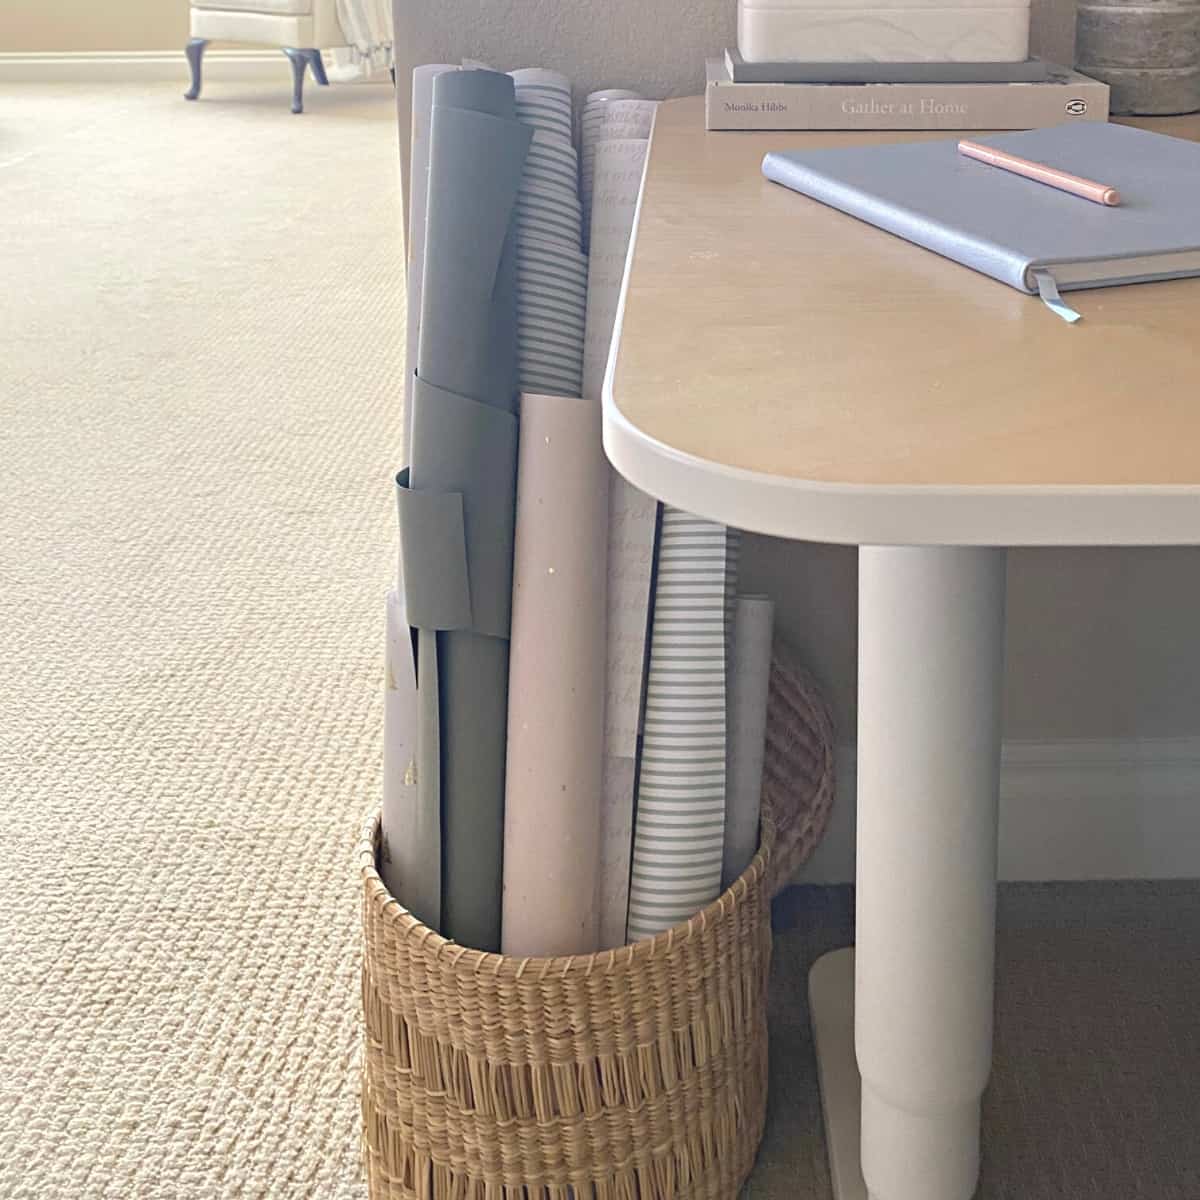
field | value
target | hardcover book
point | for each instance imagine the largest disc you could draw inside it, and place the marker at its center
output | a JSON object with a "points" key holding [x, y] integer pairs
{"points": [[1024, 233], [1063, 97], [1029, 70]]}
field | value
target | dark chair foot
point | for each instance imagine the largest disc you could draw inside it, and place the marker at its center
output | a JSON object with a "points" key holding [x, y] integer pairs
{"points": [[318, 68], [195, 52], [301, 58]]}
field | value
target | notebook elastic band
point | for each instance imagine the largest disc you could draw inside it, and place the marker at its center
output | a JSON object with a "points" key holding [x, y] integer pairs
{"points": [[1048, 290]]}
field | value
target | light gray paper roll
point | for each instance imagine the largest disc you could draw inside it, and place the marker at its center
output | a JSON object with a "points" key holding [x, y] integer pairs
{"points": [[410, 858], [750, 658], [679, 830], [556, 681], [457, 512]]}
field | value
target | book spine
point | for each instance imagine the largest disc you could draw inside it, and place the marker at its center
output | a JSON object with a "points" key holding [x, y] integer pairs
{"points": [[953, 243], [903, 106]]}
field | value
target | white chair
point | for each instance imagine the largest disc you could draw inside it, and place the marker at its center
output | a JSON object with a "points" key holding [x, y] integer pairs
{"points": [[300, 28]]}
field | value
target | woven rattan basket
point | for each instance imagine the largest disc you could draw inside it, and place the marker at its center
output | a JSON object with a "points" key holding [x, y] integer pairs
{"points": [[799, 782], [633, 1074]]}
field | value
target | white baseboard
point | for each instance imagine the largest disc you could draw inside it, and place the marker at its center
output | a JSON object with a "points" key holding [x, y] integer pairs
{"points": [[1120, 809], [144, 66]]}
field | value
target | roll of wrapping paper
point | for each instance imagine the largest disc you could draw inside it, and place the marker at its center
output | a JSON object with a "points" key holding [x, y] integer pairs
{"points": [[753, 620], [410, 858], [590, 121], [556, 681], [679, 832], [422, 115], [631, 532], [617, 174], [551, 265], [410, 832], [551, 315], [457, 510]]}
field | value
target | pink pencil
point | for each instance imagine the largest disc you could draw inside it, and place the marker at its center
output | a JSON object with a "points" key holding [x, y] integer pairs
{"points": [[1098, 193]]}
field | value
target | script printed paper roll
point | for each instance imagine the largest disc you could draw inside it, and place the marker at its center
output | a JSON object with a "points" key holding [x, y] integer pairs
{"points": [[631, 532], [633, 515], [679, 834], [619, 166], [753, 621], [629, 118], [556, 681], [590, 122], [410, 854]]}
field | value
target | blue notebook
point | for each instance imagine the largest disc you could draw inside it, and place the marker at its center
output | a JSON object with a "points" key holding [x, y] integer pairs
{"points": [[1024, 233]]}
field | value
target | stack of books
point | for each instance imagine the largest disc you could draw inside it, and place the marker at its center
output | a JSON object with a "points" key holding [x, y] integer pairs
{"points": [[865, 95]]}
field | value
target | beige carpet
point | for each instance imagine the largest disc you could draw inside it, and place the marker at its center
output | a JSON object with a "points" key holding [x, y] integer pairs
{"points": [[199, 392], [201, 314]]}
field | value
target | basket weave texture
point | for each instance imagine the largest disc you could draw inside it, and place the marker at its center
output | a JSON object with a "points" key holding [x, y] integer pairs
{"points": [[799, 782], [634, 1074]]}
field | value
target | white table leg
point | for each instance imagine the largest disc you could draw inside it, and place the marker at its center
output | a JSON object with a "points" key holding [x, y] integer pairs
{"points": [[916, 999], [931, 637]]}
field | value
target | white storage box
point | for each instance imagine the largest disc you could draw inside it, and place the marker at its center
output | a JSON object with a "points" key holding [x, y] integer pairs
{"points": [[883, 30]]}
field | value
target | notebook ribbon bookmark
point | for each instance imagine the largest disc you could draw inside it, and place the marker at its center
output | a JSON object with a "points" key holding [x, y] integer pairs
{"points": [[1048, 290]]}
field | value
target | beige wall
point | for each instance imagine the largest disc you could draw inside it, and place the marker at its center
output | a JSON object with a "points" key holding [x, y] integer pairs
{"points": [[75, 25], [1101, 643]]}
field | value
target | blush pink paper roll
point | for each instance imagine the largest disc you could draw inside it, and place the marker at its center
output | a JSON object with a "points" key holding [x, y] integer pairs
{"points": [[556, 681]]}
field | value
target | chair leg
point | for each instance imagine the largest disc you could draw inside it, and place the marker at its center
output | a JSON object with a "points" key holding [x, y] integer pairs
{"points": [[299, 62], [194, 51], [318, 67], [301, 58]]}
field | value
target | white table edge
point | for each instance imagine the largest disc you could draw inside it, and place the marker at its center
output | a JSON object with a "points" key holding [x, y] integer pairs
{"points": [[882, 515], [898, 515]]}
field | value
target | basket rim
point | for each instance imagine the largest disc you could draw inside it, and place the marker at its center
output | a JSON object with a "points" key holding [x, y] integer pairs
{"points": [[470, 961]]}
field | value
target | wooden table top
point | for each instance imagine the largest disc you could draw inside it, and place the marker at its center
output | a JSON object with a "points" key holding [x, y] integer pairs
{"points": [[770, 339]]}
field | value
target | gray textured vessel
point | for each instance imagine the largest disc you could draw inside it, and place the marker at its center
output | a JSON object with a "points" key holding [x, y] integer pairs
{"points": [[1147, 51]]}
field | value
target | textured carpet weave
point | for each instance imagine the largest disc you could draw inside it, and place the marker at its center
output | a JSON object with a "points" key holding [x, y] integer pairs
{"points": [[201, 320], [1095, 1092]]}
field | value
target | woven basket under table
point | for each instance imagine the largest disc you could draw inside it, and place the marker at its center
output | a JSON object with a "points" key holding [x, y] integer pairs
{"points": [[633, 1074]]}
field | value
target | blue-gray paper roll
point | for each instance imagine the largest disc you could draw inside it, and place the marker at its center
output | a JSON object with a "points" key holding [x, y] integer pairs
{"points": [[422, 115], [457, 504]]}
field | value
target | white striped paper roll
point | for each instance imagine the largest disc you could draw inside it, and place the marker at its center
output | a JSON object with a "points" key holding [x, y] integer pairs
{"points": [[551, 265], [679, 830], [548, 205]]}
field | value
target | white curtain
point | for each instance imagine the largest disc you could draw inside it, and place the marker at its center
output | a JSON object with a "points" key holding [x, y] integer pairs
{"points": [[367, 25]]}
